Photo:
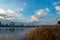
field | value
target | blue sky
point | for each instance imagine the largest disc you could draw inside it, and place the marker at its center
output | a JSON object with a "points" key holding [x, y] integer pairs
{"points": [[30, 10]]}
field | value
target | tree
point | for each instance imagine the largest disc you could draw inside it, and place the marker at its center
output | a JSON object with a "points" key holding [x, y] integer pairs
{"points": [[0, 23], [12, 24], [58, 22]]}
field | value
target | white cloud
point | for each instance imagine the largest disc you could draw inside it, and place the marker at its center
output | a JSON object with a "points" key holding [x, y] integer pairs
{"points": [[58, 12], [55, 3], [34, 18], [2, 11], [9, 14], [40, 15], [21, 9], [57, 8], [25, 4], [41, 11], [1, 17], [10, 11], [47, 9]]}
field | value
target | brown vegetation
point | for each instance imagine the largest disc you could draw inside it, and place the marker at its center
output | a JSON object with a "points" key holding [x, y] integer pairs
{"points": [[44, 33]]}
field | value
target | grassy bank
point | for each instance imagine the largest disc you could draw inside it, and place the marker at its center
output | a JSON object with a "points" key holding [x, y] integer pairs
{"points": [[44, 33]]}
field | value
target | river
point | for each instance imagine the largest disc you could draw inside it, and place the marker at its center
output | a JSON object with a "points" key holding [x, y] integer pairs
{"points": [[16, 33]]}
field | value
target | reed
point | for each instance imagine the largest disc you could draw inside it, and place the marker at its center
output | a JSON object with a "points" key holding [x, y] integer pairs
{"points": [[44, 33]]}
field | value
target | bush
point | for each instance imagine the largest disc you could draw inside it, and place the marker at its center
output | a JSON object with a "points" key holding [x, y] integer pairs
{"points": [[44, 33], [58, 22]]}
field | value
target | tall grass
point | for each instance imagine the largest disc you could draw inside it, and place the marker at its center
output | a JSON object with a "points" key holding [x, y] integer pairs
{"points": [[44, 33]]}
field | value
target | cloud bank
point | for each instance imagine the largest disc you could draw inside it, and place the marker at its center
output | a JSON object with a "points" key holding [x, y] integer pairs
{"points": [[9, 14], [40, 14]]}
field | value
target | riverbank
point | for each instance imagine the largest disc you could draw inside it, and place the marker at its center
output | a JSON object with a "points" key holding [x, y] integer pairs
{"points": [[44, 33]]}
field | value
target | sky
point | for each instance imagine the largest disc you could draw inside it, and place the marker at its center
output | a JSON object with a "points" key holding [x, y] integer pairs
{"points": [[44, 11]]}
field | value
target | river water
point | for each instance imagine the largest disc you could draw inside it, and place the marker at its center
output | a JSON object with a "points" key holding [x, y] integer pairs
{"points": [[16, 33]]}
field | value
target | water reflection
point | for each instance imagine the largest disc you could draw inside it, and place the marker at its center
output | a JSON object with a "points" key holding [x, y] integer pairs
{"points": [[13, 33]]}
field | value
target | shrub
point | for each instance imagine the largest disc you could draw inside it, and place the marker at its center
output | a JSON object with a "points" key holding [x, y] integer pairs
{"points": [[58, 22]]}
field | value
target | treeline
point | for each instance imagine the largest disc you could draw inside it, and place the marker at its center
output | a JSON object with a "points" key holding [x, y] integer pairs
{"points": [[12, 24]]}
